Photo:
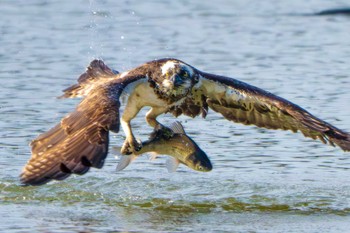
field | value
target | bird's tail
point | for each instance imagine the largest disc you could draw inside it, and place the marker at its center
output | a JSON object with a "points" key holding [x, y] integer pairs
{"points": [[96, 73]]}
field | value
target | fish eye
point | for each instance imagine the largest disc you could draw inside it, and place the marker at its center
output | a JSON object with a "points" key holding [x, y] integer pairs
{"points": [[200, 168]]}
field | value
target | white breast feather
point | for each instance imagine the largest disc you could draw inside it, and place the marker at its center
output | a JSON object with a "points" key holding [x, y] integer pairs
{"points": [[132, 86]]}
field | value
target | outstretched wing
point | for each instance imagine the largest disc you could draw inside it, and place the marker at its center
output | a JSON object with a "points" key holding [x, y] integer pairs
{"points": [[242, 103], [80, 140], [96, 73]]}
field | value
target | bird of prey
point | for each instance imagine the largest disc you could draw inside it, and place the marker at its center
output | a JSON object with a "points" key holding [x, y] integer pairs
{"points": [[80, 140]]}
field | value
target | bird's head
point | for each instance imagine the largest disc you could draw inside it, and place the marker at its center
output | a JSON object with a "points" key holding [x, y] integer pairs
{"points": [[177, 78]]}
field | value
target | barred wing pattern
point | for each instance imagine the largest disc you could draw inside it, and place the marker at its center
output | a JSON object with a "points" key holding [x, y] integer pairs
{"points": [[242, 103], [78, 142], [81, 139]]}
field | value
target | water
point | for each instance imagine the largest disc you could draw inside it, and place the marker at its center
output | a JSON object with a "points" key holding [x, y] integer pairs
{"points": [[263, 181]]}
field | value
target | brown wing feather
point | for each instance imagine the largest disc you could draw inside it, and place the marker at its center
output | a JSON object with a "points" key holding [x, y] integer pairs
{"points": [[96, 72], [246, 104], [78, 142]]}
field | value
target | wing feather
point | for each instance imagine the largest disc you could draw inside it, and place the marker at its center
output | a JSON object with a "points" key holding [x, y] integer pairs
{"points": [[242, 103], [81, 139], [78, 142], [97, 72]]}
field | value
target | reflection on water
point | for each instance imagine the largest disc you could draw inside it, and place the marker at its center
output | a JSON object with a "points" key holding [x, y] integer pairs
{"points": [[166, 205], [262, 180], [69, 194]]}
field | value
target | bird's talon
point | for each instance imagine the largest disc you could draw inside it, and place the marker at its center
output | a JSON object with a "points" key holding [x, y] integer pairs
{"points": [[129, 148], [138, 145], [126, 149]]}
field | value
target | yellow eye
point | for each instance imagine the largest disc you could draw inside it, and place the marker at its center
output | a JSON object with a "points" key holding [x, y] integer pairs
{"points": [[185, 74]]}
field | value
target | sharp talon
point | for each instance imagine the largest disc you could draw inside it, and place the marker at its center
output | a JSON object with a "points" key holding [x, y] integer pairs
{"points": [[127, 153], [128, 148], [138, 145]]}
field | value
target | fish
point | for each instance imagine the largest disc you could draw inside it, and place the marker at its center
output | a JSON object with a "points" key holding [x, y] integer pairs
{"points": [[179, 146]]}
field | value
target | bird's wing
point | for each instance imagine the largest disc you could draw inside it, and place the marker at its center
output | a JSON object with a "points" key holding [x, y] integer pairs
{"points": [[242, 103], [96, 73], [80, 140]]}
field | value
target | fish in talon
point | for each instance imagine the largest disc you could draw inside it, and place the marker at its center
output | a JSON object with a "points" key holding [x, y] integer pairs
{"points": [[81, 139], [180, 148], [126, 149]]}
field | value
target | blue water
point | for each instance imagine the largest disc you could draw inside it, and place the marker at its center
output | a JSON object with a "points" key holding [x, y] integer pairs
{"points": [[262, 181]]}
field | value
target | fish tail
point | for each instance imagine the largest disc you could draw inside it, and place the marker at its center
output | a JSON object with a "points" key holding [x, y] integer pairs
{"points": [[124, 161]]}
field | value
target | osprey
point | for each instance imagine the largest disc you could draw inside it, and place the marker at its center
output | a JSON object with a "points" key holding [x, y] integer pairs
{"points": [[80, 140]]}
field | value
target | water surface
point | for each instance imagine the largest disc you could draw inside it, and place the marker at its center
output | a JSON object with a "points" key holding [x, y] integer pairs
{"points": [[262, 181]]}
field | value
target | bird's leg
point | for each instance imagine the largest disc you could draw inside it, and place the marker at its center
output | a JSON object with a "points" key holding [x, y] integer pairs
{"points": [[130, 144], [151, 119]]}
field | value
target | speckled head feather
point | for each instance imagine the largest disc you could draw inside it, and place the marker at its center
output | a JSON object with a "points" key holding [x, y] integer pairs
{"points": [[172, 79]]}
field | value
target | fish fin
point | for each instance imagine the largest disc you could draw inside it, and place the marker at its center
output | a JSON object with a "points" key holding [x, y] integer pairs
{"points": [[172, 164], [153, 155], [177, 127], [116, 150], [124, 161]]}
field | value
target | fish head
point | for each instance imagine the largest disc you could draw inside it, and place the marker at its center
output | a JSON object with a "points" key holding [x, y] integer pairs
{"points": [[199, 161], [189, 153]]}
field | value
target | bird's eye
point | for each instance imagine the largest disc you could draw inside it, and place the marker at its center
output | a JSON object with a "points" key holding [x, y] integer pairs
{"points": [[185, 74]]}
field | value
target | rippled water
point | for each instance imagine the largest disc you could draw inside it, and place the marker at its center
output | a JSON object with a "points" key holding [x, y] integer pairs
{"points": [[263, 181]]}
